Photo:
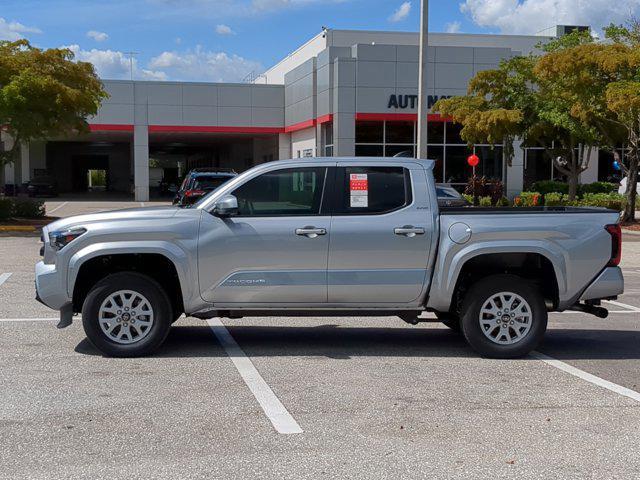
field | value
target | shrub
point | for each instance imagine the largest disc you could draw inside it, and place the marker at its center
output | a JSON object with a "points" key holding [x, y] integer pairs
{"points": [[503, 202], [484, 187], [6, 208], [549, 186], [554, 199], [613, 201], [468, 198], [28, 208], [598, 187], [527, 199], [485, 202]]}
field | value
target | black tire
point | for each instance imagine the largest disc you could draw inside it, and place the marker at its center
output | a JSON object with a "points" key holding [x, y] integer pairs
{"points": [[450, 320], [159, 301], [480, 293]]}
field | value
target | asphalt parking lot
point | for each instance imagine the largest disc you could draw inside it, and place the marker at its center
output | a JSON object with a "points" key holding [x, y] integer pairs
{"points": [[314, 397]]}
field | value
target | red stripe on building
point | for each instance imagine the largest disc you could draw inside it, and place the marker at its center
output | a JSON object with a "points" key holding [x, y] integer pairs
{"points": [[110, 127], [300, 126], [212, 129], [397, 117], [325, 118]]}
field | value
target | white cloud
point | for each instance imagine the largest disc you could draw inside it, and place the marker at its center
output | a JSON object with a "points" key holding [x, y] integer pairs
{"points": [[224, 30], [97, 36], [14, 31], [401, 13], [453, 27], [203, 65], [532, 16], [113, 64]]}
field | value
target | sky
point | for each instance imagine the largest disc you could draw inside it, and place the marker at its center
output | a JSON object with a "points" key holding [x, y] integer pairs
{"points": [[226, 40]]}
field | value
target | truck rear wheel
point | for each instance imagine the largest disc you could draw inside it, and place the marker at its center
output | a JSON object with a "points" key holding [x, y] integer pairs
{"points": [[127, 315], [503, 316]]}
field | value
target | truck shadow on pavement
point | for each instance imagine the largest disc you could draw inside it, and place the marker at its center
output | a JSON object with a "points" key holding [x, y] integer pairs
{"points": [[336, 342]]}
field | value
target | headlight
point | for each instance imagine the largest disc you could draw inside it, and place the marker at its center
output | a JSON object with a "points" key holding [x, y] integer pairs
{"points": [[61, 238]]}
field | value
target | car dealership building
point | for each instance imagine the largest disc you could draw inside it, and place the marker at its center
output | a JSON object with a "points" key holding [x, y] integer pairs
{"points": [[342, 93]]}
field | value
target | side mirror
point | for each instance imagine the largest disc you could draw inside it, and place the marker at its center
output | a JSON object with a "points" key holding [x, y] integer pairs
{"points": [[227, 206]]}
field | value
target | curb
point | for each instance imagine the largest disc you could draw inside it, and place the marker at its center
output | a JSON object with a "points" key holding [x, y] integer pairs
{"points": [[631, 232], [17, 228]]}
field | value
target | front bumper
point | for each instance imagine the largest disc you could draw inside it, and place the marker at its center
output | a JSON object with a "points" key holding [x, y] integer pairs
{"points": [[610, 283], [51, 287]]}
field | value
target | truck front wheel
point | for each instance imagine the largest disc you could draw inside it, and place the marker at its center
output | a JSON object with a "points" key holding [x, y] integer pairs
{"points": [[503, 316], [127, 315]]}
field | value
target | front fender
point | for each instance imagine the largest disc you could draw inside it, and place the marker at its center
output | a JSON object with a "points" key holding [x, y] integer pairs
{"points": [[183, 263], [450, 265]]}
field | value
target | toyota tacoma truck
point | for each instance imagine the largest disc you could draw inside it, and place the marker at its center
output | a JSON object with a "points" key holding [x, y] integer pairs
{"points": [[328, 237]]}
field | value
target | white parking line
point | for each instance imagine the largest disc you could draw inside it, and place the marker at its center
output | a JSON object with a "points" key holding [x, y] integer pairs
{"points": [[576, 372], [623, 305], [4, 277], [275, 411], [28, 320], [57, 208]]}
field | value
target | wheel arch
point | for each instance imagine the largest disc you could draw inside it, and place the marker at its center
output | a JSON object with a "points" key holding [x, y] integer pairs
{"points": [[163, 263], [497, 258]]}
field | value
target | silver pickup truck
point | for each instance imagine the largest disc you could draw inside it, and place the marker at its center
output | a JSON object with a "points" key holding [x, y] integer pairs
{"points": [[327, 237]]}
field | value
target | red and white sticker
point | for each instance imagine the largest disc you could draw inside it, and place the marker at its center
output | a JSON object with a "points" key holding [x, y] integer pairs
{"points": [[359, 190]]}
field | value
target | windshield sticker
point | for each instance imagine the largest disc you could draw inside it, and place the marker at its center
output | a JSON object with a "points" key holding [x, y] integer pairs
{"points": [[359, 190]]}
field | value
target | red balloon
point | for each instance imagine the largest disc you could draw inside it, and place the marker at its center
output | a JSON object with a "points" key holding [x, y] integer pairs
{"points": [[473, 160]]}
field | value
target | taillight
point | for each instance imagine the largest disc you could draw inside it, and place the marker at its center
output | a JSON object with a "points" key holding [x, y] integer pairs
{"points": [[194, 193], [616, 244]]}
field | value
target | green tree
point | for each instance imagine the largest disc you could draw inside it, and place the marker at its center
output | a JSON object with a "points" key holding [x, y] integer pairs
{"points": [[599, 84], [518, 100], [43, 94]]}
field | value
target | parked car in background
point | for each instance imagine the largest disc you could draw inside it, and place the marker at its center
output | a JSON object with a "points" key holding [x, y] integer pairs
{"points": [[449, 196], [44, 186], [199, 182]]}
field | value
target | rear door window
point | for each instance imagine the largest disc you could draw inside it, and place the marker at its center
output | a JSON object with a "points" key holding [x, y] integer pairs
{"points": [[372, 190]]}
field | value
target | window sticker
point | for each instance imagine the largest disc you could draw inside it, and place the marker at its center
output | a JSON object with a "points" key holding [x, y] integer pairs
{"points": [[359, 190]]}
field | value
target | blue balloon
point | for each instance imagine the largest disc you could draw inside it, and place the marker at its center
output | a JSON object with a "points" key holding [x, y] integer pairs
{"points": [[616, 165]]}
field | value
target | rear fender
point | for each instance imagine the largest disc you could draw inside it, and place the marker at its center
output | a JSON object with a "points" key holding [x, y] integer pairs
{"points": [[449, 266]]}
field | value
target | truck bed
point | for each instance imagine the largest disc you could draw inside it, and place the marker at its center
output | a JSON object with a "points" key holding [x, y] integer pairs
{"points": [[520, 210]]}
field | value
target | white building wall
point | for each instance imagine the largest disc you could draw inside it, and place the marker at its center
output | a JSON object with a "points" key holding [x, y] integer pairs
{"points": [[302, 141]]}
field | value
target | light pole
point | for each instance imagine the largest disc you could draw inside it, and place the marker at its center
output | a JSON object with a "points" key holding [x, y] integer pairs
{"points": [[423, 106]]}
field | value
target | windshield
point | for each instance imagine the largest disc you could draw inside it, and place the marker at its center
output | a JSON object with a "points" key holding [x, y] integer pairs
{"points": [[209, 183], [219, 181]]}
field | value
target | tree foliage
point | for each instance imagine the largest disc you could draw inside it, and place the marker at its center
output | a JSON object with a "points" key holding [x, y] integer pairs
{"points": [[534, 98], [44, 94]]}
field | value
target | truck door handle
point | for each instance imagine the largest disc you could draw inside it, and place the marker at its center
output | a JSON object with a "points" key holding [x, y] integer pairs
{"points": [[311, 232], [409, 231]]}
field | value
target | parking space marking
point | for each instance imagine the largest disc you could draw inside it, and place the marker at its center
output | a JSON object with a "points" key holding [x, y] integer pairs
{"points": [[4, 277], [28, 320], [57, 208], [273, 408], [576, 372], [623, 305]]}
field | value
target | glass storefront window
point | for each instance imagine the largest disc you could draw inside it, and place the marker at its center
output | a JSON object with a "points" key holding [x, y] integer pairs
{"points": [[399, 132], [435, 132], [537, 166], [400, 150], [369, 132], [369, 150], [490, 161], [453, 134], [436, 153], [606, 172], [456, 168]]}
